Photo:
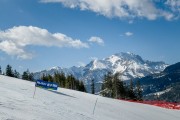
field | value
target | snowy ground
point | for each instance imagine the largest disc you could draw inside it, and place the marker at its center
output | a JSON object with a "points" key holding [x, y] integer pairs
{"points": [[17, 103]]}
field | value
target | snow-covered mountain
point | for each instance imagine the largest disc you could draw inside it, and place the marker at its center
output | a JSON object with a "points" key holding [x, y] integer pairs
{"points": [[17, 103], [130, 65], [164, 85]]}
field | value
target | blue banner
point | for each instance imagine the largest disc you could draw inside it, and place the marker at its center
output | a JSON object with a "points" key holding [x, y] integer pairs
{"points": [[46, 85]]}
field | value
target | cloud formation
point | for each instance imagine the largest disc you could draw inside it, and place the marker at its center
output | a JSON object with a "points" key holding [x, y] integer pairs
{"points": [[97, 40], [14, 41], [149, 9], [128, 33], [174, 5]]}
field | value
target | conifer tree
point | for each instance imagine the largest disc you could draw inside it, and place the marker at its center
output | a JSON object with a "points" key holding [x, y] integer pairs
{"points": [[77, 85], [25, 75], [16, 74], [9, 71], [131, 92], [72, 82], [50, 78], [92, 86], [68, 82], [116, 86], [119, 89], [62, 79], [113, 87], [107, 87], [44, 77], [56, 78], [0, 71], [31, 77], [139, 90], [82, 87]]}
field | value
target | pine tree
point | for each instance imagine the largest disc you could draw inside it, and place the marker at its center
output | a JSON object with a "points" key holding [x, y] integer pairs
{"points": [[0, 71], [44, 77], [16, 74], [82, 87], [62, 79], [139, 91], [92, 86], [77, 84], [72, 82], [9, 71], [107, 87], [50, 78], [25, 75], [68, 82], [131, 92], [119, 89], [116, 86], [56, 78], [31, 77]]}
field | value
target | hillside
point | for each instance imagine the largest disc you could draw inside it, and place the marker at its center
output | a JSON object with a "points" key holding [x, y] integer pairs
{"points": [[17, 103], [164, 85]]}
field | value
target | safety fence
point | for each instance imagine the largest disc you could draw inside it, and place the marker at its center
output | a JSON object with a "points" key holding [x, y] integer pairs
{"points": [[164, 104]]}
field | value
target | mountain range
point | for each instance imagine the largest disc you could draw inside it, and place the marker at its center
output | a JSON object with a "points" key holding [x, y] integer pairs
{"points": [[164, 85], [130, 65]]}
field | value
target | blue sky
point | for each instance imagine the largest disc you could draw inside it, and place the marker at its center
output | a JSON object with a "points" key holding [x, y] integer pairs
{"points": [[38, 34]]}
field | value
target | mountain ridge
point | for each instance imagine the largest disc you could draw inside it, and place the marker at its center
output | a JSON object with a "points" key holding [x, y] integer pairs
{"points": [[129, 64], [164, 85]]}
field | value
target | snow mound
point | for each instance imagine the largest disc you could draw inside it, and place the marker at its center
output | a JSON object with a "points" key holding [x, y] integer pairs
{"points": [[17, 103]]}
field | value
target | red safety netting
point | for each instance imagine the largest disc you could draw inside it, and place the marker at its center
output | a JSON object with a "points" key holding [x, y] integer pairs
{"points": [[168, 105]]}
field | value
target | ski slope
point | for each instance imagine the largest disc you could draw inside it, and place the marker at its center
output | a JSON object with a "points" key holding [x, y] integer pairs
{"points": [[17, 103]]}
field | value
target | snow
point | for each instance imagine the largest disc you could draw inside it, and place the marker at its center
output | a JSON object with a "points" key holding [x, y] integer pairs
{"points": [[113, 59], [159, 76], [119, 68], [161, 92], [130, 65], [55, 68], [17, 103], [97, 65]]}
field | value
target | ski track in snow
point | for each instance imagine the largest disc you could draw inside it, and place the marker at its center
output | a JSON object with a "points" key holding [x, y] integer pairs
{"points": [[17, 103]]}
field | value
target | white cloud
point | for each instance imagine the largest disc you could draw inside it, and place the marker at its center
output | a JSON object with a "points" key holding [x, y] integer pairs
{"points": [[122, 8], [97, 40], [128, 33], [14, 41], [174, 5]]}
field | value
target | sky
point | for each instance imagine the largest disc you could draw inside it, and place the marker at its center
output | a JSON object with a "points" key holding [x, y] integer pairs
{"points": [[40, 34]]}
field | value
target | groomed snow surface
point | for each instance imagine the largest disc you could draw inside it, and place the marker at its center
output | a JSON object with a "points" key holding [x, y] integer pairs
{"points": [[17, 103]]}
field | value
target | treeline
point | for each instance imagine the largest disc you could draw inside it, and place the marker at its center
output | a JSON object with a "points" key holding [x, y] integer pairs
{"points": [[69, 81], [114, 87], [13, 73]]}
